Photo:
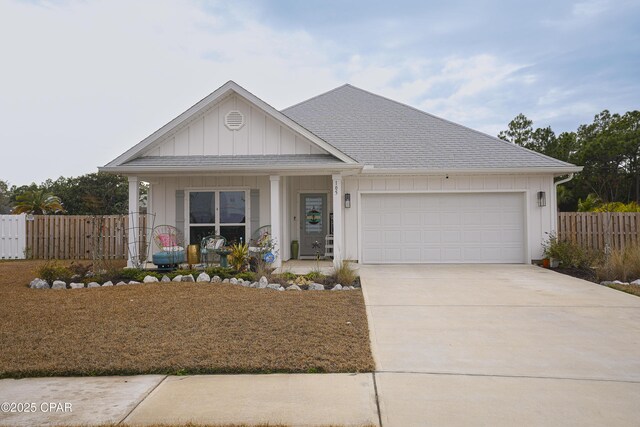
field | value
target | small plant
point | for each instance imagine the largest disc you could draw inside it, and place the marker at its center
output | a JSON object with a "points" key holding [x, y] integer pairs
{"points": [[239, 256], [569, 254], [345, 274], [54, 271], [315, 275]]}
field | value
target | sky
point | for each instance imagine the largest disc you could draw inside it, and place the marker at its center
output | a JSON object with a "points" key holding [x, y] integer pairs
{"points": [[83, 81]]}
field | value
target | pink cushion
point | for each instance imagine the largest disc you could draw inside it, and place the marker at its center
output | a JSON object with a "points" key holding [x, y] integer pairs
{"points": [[167, 240]]}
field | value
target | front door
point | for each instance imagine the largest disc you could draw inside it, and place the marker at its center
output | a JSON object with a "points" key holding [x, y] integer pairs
{"points": [[313, 224]]}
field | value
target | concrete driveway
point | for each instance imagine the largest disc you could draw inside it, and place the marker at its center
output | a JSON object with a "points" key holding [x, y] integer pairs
{"points": [[501, 345]]}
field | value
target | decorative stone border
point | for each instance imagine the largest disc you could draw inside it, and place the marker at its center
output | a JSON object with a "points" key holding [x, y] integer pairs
{"points": [[263, 283]]}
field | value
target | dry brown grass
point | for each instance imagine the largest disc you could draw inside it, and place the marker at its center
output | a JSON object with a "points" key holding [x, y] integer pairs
{"points": [[176, 328], [630, 289]]}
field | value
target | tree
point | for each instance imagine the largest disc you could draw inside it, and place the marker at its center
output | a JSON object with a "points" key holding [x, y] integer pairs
{"points": [[92, 194], [541, 140], [38, 202], [5, 198]]}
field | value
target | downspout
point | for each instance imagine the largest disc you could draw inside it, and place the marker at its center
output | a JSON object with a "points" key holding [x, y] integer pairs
{"points": [[554, 222]]}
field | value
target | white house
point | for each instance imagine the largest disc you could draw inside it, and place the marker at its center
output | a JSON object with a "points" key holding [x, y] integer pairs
{"points": [[390, 183]]}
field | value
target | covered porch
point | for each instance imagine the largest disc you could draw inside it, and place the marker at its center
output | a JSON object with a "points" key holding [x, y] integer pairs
{"points": [[304, 206]]}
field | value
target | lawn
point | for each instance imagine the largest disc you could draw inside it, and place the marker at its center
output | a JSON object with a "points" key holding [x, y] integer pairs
{"points": [[176, 328]]}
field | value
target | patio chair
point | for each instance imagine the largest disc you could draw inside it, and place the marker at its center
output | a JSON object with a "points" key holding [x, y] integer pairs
{"points": [[256, 238], [210, 247], [171, 244]]}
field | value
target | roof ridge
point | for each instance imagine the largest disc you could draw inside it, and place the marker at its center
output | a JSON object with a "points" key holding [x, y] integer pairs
{"points": [[315, 97], [441, 119]]}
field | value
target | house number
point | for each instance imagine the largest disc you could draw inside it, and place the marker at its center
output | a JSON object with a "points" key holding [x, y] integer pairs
{"points": [[336, 189]]}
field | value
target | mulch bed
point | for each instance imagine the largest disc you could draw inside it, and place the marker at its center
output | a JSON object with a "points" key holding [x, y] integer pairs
{"points": [[176, 328]]}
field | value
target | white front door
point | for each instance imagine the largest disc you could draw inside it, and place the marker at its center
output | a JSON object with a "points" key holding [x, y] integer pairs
{"points": [[443, 228]]}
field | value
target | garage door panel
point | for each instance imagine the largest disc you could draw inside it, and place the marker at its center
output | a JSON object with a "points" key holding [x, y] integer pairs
{"points": [[442, 227]]}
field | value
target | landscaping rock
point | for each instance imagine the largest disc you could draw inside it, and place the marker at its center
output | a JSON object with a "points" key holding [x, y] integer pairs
{"points": [[178, 278], [263, 281], [133, 282], [120, 283], [38, 284], [109, 283], [225, 281], [240, 281], [203, 277], [254, 285], [58, 284], [216, 279], [262, 285], [150, 279], [188, 278], [93, 285], [636, 282], [76, 285], [233, 281], [274, 286], [618, 282], [316, 287], [606, 283], [164, 279], [294, 288], [245, 284], [337, 287]]}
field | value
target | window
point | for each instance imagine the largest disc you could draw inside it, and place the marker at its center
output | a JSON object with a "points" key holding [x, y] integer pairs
{"points": [[218, 212]]}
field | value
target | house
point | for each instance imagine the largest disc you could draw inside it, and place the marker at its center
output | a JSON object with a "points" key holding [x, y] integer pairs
{"points": [[379, 181]]}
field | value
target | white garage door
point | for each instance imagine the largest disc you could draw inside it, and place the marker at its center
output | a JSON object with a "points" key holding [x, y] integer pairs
{"points": [[443, 228]]}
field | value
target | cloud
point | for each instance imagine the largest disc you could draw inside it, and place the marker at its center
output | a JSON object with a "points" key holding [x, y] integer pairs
{"points": [[82, 81]]}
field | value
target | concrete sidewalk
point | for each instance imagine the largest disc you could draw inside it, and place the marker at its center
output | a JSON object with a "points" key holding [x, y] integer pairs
{"points": [[292, 399]]}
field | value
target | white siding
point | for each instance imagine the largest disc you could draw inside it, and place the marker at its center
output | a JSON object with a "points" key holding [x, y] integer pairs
{"points": [[539, 219], [207, 135]]}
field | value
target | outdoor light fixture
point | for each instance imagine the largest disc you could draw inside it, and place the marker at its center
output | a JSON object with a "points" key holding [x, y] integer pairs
{"points": [[347, 200], [542, 199]]}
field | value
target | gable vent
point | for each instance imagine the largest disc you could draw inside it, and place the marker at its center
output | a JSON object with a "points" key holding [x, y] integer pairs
{"points": [[234, 120]]}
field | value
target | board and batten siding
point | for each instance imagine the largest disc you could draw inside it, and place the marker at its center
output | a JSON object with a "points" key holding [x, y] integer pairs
{"points": [[207, 135], [539, 219]]}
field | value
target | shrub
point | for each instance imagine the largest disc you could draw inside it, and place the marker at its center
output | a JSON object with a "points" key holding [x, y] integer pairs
{"points": [[246, 275], [222, 272], [620, 265], [569, 254], [315, 275], [54, 271], [344, 274]]}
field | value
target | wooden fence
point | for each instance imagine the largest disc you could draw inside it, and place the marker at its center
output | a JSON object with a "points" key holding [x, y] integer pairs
{"points": [[599, 230], [81, 237]]}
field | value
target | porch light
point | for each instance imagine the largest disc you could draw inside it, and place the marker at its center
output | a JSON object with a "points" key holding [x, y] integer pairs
{"points": [[542, 199], [347, 200]]}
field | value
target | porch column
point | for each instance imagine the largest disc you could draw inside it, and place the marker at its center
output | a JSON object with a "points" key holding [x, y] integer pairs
{"points": [[276, 228], [134, 208], [338, 233]]}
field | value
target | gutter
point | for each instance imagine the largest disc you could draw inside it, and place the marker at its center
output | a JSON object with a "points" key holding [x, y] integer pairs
{"points": [[554, 223], [368, 170]]}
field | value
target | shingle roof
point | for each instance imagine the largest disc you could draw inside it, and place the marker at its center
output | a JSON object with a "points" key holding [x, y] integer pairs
{"points": [[302, 160], [387, 134]]}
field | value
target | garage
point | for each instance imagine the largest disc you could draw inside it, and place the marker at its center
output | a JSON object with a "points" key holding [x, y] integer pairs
{"points": [[443, 227]]}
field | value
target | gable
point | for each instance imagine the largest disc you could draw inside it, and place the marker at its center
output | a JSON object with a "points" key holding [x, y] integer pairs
{"points": [[207, 135]]}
